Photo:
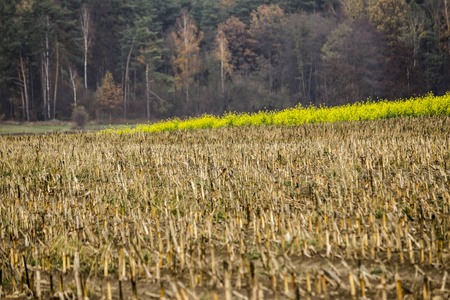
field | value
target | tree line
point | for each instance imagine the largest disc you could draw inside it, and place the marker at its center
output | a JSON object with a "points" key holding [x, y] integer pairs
{"points": [[136, 59]]}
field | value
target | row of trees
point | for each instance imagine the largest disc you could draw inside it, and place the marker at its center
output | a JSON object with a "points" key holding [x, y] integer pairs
{"points": [[159, 58]]}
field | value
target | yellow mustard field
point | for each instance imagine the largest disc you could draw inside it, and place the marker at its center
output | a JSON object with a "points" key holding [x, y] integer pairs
{"points": [[428, 105]]}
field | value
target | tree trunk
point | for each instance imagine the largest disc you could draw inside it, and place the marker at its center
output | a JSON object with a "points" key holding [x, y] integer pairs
{"points": [[46, 75], [43, 89], [270, 72], [85, 65], [134, 86], [126, 81], [23, 102], [85, 20], [310, 80], [187, 92], [24, 79], [222, 77], [447, 21], [147, 89], [56, 80], [302, 85], [186, 45], [74, 86], [32, 102]]}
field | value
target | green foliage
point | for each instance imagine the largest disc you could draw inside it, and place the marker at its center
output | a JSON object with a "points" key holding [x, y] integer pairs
{"points": [[281, 53], [332, 48], [165, 108]]}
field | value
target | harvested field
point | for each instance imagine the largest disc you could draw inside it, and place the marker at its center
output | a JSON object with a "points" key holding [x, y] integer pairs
{"points": [[338, 211]]}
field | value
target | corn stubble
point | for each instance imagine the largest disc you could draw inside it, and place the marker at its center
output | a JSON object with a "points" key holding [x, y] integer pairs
{"points": [[338, 211]]}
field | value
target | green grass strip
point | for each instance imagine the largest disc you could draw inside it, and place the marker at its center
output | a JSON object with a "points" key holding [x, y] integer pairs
{"points": [[428, 105]]}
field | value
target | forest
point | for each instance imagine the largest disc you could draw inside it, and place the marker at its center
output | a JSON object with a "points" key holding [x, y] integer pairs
{"points": [[153, 59]]}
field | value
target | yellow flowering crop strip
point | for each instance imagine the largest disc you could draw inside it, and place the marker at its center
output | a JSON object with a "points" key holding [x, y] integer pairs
{"points": [[428, 105]]}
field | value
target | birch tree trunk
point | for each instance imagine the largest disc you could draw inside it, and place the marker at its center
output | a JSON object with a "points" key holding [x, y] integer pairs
{"points": [[72, 78], [223, 55], [85, 22]]}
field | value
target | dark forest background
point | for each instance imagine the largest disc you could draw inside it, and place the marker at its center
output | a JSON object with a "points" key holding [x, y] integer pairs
{"points": [[151, 59]]}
